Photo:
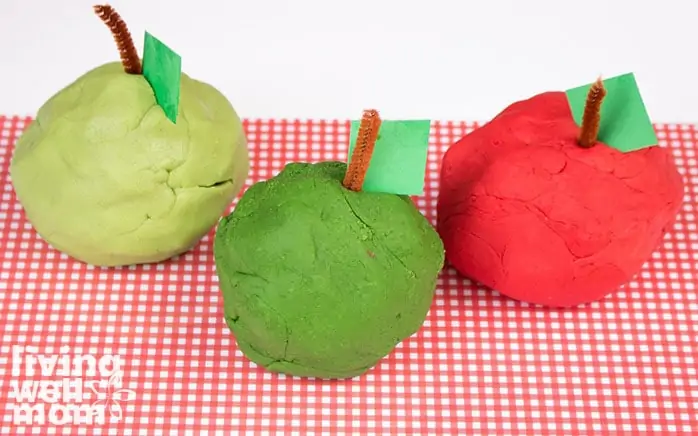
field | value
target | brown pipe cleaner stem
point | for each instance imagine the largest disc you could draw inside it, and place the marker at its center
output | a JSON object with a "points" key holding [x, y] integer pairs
{"points": [[122, 37], [592, 115], [361, 156]]}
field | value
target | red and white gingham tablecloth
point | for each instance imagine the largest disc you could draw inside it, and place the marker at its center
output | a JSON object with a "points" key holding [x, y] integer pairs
{"points": [[481, 365]]}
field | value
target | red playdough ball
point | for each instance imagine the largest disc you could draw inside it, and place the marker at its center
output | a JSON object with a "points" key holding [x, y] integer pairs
{"points": [[525, 210]]}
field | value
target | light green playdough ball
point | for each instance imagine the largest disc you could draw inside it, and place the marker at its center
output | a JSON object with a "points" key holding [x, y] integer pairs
{"points": [[320, 281], [105, 177]]}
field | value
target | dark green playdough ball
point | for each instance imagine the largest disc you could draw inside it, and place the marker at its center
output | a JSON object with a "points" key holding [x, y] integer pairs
{"points": [[320, 281]]}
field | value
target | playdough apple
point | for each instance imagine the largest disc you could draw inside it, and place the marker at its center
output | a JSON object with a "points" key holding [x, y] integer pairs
{"points": [[525, 210], [105, 177], [323, 281]]}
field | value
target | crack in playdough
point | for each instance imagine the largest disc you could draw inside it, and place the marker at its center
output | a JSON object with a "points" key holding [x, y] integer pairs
{"points": [[137, 228], [278, 314], [216, 184], [149, 216], [622, 180], [316, 248], [142, 118], [287, 329], [373, 234], [487, 243], [252, 275], [274, 361], [170, 170], [546, 220]]}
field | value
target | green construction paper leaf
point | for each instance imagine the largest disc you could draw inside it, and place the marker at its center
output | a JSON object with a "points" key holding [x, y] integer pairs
{"points": [[398, 162], [625, 124], [162, 68]]}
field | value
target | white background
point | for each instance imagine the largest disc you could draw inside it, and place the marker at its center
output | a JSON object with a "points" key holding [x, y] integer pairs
{"points": [[436, 59]]}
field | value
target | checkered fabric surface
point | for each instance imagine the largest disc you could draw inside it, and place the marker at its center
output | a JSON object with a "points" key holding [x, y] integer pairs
{"points": [[481, 365]]}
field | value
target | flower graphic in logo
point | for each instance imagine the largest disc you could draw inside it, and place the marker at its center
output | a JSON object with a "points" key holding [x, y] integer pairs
{"points": [[110, 400]]}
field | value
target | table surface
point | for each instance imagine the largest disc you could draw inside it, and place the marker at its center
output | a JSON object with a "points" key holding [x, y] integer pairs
{"points": [[481, 365]]}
